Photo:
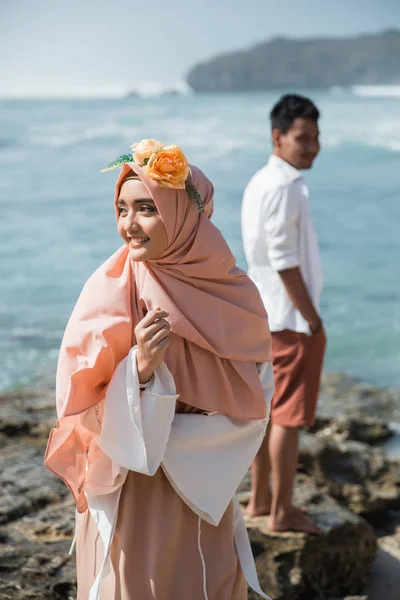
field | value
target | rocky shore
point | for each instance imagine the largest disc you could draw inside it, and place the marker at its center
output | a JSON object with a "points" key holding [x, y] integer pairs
{"points": [[345, 479]]}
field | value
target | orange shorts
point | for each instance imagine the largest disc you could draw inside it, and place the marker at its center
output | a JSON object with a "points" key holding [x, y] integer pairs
{"points": [[298, 360]]}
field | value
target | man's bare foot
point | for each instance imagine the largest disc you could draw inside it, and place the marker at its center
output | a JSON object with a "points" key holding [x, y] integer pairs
{"points": [[260, 503], [265, 510], [295, 520], [258, 510]]}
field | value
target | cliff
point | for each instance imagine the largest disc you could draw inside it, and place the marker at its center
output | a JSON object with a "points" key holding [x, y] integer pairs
{"points": [[283, 63]]}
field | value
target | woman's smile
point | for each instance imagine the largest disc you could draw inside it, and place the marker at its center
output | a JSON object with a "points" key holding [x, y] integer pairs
{"points": [[137, 241], [139, 222]]}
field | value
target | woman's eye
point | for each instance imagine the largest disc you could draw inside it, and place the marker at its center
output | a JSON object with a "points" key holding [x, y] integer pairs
{"points": [[148, 209], [121, 210]]}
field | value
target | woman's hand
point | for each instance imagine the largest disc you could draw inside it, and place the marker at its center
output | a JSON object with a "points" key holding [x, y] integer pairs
{"points": [[153, 338]]}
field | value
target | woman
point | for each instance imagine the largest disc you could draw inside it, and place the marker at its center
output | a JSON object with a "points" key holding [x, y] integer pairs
{"points": [[163, 389]]}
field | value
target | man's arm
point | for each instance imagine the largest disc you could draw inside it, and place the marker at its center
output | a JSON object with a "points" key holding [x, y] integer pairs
{"points": [[298, 294]]}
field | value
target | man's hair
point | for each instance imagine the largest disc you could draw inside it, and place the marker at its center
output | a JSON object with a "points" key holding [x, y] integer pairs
{"points": [[289, 108]]}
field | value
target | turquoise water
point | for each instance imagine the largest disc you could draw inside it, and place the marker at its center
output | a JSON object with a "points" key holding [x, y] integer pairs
{"points": [[57, 221]]}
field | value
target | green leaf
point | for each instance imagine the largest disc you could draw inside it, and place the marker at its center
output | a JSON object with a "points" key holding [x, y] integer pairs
{"points": [[118, 162]]}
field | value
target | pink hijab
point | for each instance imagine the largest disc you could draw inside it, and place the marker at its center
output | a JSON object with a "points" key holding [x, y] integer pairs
{"points": [[218, 322]]}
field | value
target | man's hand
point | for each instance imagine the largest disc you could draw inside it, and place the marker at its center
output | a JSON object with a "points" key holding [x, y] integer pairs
{"points": [[316, 327], [298, 294]]}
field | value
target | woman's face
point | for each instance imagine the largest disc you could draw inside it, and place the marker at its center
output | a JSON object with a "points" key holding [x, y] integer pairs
{"points": [[139, 222]]}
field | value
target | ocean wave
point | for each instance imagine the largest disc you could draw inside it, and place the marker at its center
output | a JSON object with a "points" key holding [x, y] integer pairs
{"points": [[192, 134], [206, 133], [154, 89], [61, 137], [336, 141], [80, 92], [373, 129], [97, 92], [38, 365], [34, 333], [367, 91], [376, 91]]}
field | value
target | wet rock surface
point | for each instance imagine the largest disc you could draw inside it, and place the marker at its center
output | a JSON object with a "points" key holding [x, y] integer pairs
{"points": [[357, 475], [346, 482], [36, 513], [343, 395], [294, 566], [371, 430]]}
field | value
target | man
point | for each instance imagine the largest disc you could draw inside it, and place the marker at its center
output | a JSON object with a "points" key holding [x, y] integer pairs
{"points": [[283, 257]]}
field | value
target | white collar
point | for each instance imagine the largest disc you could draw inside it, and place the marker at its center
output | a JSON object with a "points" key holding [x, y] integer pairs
{"points": [[288, 170]]}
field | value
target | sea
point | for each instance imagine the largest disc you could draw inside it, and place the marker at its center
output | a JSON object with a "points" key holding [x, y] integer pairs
{"points": [[57, 221]]}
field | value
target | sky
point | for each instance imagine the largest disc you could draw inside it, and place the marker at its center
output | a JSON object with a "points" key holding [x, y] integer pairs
{"points": [[51, 46]]}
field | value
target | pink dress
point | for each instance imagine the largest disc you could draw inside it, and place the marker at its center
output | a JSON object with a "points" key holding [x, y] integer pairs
{"points": [[155, 552], [172, 539]]}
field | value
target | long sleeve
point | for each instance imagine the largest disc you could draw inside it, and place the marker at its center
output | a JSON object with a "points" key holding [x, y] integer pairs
{"points": [[136, 426], [207, 456]]}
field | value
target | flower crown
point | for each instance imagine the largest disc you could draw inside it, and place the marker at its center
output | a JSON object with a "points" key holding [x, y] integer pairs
{"points": [[167, 165]]}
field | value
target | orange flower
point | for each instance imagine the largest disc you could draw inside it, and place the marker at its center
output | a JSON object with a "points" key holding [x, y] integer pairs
{"points": [[144, 149], [169, 167]]}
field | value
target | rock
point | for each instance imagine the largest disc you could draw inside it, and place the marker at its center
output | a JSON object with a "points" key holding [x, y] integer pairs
{"points": [[25, 485], [351, 598], [24, 414], [36, 512], [294, 565], [342, 395], [350, 462], [336, 472], [34, 558], [370, 430], [357, 475], [170, 94], [13, 591], [385, 577]]}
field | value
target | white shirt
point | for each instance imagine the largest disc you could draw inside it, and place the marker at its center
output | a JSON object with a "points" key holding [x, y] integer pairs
{"points": [[278, 234]]}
